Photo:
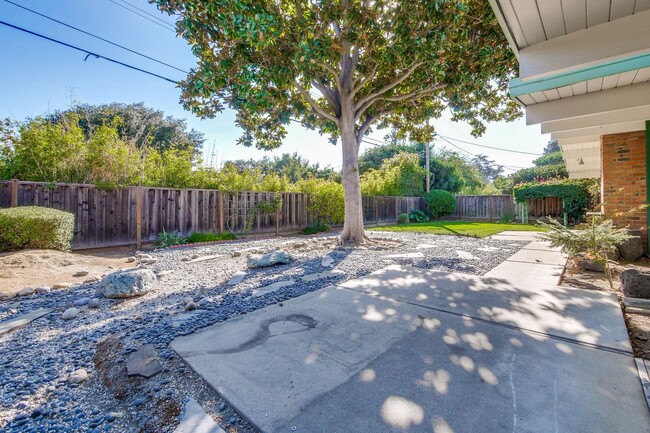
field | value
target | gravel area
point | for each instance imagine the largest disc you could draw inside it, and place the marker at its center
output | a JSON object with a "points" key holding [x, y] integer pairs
{"points": [[36, 361]]}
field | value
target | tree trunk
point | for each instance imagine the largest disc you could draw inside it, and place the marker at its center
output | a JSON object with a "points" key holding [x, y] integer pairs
{"points": [[353, 231]]}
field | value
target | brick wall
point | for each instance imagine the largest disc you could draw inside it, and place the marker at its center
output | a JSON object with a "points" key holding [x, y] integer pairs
{"points": [[624, 178]]}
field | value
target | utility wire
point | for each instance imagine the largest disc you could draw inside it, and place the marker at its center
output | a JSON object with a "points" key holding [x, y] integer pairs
{"points": [[166, 27], [147, 13], [88, 52], [95, 36], [491, 147]]}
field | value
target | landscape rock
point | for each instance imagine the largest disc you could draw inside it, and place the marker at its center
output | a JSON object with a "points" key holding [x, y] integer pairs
{"points": [[42, 290], [279, 257], [94, 303], [27, 291], [70, 313], [62, 285], [148, 261], [78, 376], [82, 301], [632, 249], [144, 362], [92, 280], [327, 262], [80, 273], [591, 265], [191, 306], [636, 283], [127, 284], [130, 259]]}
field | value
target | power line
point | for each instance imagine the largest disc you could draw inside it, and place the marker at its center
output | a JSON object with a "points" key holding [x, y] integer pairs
{"points": [[95, 36], [491, 147], [148, 13], [166, 27], [89, 53]]}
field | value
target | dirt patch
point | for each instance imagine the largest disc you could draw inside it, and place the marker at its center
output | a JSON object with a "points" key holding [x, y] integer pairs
{"points": [[45, 268], [638, 326]]}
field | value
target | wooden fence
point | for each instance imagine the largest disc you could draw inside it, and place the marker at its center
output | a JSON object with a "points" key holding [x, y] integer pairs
{"points": [[496, 207], [136, 215]]}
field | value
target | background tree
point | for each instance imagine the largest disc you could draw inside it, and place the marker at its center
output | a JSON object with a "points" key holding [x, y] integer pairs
{"points": [[385, 63], [488, 169], [143, 125], [549, 166], [401, 175]]}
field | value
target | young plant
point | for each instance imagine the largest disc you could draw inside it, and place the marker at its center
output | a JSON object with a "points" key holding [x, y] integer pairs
{"points": [[168, 239], [596, 239], [403, 218], [418, 216]]}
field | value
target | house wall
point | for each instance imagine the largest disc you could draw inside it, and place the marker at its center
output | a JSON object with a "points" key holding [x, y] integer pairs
{"points": [[624, 179]]}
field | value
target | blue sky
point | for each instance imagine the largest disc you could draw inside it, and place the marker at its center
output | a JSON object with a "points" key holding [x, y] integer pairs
{"points": [[37, 76]]}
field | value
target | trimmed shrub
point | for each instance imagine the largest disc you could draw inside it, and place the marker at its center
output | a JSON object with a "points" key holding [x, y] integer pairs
{"points": [[403, 218], [195, 238], [35, 227], [440, 203]]}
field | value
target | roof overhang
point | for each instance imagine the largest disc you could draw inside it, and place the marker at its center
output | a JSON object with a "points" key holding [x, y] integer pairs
{"points": [[584, 70]]}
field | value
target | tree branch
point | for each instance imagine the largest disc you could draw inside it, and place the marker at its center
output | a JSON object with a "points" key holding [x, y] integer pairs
{"points": [[331, 70], [329, 95], [369, 99], [415, 94], [317, 108], [365, 80]]}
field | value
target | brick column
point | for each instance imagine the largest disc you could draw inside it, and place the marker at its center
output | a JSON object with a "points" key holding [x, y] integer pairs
{"points": [[624, 179]]}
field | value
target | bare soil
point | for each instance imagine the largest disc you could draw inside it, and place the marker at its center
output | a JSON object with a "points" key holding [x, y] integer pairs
{"points": [[45, 268], [638, 326]]}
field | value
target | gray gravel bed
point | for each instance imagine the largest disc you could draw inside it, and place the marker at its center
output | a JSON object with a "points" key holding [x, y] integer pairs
{"points": [[36, 360]]}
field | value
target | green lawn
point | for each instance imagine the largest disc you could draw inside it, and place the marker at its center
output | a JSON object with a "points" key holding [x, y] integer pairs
{"points": [[464, 228]]}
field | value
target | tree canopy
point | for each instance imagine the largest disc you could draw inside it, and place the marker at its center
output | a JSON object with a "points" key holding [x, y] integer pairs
{"points": [[341, 67], [134, 122]]}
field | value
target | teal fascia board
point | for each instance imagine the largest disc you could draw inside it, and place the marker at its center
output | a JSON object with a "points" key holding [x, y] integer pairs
{"points": [[519, 87]]}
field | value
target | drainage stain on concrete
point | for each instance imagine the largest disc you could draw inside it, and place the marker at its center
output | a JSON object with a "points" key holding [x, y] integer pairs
{"points": [[264, 333]]}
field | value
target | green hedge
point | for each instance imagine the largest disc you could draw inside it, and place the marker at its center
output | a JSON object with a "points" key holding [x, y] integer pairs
{"points": [[574, 193], [440, 203], [35, 227]]}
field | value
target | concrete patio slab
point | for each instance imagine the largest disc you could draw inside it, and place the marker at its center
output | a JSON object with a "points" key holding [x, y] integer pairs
{"points": [[271, 363], [413, 350], [463, 377], [511, 235], [585, 316]]}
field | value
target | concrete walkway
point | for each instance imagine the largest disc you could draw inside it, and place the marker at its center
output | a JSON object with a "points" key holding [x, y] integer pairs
{"points": [[411, 350]]}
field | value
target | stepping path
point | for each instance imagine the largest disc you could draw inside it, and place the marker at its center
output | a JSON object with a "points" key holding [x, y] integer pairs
{"points": [[22, 320], [236, 278], [322, 275], [261, 291], [195, 420]]}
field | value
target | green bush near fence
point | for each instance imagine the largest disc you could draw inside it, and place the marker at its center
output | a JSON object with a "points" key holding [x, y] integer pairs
{"points": [[195, 238], [440, 203], [35, 227]]}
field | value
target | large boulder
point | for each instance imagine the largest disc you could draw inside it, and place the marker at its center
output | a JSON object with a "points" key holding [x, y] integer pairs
{"points": [[632, 249], [635, 283], [264, 260], [128, 283]]}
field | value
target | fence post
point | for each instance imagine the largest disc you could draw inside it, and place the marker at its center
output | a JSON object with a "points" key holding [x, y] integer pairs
{"points": [[221, 211], [138, 216], [14, 192], [277, 214]]}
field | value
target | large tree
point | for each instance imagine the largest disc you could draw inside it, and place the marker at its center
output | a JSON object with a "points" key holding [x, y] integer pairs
{"points": [[342, 67]]}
